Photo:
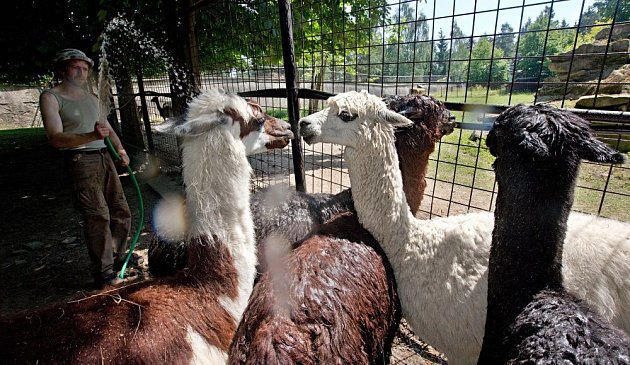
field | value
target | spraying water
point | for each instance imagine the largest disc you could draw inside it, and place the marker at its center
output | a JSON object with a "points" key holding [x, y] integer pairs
{"points": [[104, 98]]}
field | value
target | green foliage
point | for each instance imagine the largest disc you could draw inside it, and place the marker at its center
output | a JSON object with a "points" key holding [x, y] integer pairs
{"points": [[238, 36], [486, 64], [506, 41], [336, 31], [440, 55], [37, 30], [410, 50], [588, 35], [278, 113], [537, 39], [12, 138], [460, 54], [607, 9]]}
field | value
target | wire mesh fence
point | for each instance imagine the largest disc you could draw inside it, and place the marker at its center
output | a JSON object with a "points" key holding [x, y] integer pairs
{"points": [[570, 53]]}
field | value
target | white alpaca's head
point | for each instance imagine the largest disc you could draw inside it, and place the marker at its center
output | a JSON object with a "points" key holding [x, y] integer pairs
{"points": [[243, 119], [349, 119]]}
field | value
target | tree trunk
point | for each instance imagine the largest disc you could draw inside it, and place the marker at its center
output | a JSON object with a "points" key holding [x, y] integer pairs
{"points": [[179, 26], [130, 121], [193, 54]]}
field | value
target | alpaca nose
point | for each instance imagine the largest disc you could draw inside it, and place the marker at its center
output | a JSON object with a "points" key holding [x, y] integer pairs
{"points": [[304, 123]]}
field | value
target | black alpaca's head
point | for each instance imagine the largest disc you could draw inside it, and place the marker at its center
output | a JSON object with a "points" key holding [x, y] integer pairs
{"points": [[542, 132]]}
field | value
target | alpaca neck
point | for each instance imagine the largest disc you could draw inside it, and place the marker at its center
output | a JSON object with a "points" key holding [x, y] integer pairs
{"points": [[159, 107], [413, 166], [526, 254], [216, 174], [377, 189]]}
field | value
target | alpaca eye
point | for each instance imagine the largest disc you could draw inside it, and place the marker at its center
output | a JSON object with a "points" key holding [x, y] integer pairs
{"points": [[347, 116]]}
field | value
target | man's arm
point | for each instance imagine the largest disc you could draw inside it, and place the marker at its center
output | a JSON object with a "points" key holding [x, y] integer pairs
{"points": [[116, 143], [54, 128]]}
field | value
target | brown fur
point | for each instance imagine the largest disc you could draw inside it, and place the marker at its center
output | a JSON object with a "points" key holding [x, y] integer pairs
{"points": [[142, 323], [278, 136], [416, 143], [328, 314]]}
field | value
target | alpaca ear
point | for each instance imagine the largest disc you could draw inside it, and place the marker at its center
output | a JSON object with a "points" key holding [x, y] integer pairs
{"points": [[201, 124], [170, 124], [597, 151], [394, 118]]}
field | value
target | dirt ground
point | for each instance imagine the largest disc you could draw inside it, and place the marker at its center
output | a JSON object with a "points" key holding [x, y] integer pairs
{"points": [[42, 256]]}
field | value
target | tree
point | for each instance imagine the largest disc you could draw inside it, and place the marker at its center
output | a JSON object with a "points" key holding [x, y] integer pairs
{"points": [[506, 40], [337, 30], [485, 66], [459, 55], [30, 40], [536, 39], [440, 55], [605, 9], [408, 51]]}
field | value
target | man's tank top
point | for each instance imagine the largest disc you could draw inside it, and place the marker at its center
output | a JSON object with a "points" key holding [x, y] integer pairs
{"points": [[79, 116]]}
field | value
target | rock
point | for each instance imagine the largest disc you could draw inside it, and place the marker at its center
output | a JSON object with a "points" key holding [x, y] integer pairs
{"points": [[20, 107], [588, 64], [620, 31], [606, 102]]}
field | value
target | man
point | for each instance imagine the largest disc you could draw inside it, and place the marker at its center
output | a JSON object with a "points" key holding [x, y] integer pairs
{"points": [[72, 124]]}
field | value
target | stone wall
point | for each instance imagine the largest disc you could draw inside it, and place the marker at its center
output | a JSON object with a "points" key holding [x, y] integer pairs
{"points": [[19, 108], [586, 67]]}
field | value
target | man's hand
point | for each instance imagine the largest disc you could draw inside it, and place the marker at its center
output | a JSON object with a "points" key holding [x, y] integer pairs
{"points": [[124, 158], [101, 131]]}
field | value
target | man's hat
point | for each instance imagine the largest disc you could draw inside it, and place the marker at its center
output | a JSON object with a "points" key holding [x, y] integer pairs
{"points": [[71, 54]]}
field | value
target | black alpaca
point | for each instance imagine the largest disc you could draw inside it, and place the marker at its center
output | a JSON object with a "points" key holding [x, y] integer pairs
{"points": [[531, 318]]}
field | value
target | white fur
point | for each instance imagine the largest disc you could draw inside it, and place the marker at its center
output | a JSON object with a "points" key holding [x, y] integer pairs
{"points": [[441, 264], [203, 352], [209, 106], [216, 174]]}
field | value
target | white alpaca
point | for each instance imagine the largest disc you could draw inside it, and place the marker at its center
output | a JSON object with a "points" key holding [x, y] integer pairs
{"points": [[441, 264]]}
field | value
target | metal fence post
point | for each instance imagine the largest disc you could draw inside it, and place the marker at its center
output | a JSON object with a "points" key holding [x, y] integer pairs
{"points": [[290, 71]]}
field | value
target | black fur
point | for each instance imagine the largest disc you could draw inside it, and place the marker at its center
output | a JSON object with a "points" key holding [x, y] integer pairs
{"points": [[531, 319]]}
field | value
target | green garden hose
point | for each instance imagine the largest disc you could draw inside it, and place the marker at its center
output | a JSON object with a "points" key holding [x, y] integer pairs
{"points": [[140, 204]]}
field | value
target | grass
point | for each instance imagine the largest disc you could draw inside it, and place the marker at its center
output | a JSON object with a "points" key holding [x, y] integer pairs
{"points": [[12, 138], [278, 113], [469, 163], [480, 95]]}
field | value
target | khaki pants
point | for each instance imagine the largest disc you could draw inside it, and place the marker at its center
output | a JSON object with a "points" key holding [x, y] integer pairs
{"points": [[99, 196]]}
